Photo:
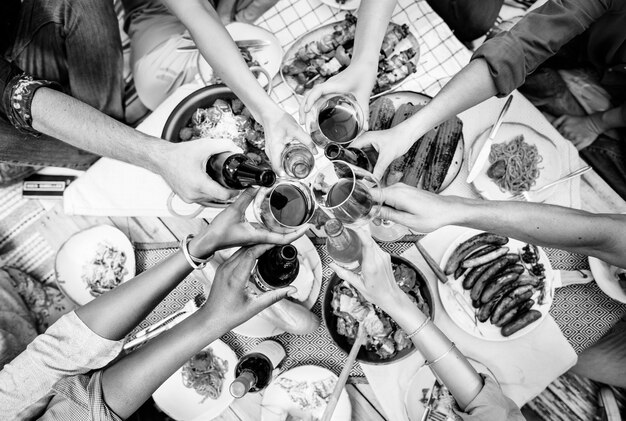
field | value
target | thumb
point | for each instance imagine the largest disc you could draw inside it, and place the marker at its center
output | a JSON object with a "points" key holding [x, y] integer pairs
{"points": [[364, 140], [384, 160], [266, 299], [343, 273]]}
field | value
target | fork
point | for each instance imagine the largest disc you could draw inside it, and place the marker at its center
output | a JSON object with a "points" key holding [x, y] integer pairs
{"points": [[525, 195]]}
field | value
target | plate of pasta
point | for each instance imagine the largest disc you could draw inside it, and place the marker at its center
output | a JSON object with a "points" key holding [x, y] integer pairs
{"points": [[199, 389], [520, 159]]}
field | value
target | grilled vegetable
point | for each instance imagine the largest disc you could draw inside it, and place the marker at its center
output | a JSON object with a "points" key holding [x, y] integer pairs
{"points": [[496, 267], [486, 258], [441, 155], [521, 309], [498, 287], [459, 272], [520, 322], [470, 245], [382, 112], [404, 112], [485, 311], [497, 170], [509, 301], [417, 158]]}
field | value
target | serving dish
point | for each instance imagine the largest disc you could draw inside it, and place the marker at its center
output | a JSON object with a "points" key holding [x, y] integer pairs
{"points": [[459, 313], [346, 5], [79, 250], [185, 404], [277, 403], [364, 355]]}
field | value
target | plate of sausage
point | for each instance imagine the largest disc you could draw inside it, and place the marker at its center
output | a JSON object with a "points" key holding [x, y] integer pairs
{"points": [[498, 288]]}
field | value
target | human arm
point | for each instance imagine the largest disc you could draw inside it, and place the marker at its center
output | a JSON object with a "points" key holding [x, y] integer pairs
{"points": [[220, 51], [359, 77], [498, 67], [583, 131], [129, 382], [599, 235]]}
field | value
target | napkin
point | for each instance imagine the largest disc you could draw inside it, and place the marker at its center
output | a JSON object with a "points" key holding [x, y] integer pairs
{"points": [[524, 366]]}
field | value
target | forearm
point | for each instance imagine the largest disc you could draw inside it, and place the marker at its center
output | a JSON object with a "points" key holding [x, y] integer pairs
{"points": [[471, 86], [374, 17], [128, 383], [599, 235], [221, 52], [114, 314], [78, 124], [454, 370]]}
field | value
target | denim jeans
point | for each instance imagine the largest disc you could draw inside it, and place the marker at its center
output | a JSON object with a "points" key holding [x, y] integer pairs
{"points": [[77, 44]]}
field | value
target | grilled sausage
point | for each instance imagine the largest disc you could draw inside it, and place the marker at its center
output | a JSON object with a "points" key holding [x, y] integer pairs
{"points": [[484, 259], [473, 275], [485, 311], [511, 300], [504, 279], [510, 315], [521, 322], [494, 268], [468, 246]]}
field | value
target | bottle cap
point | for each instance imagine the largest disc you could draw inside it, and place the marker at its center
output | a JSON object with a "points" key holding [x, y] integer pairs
{"points": [[242, 384], [332, 151], [333, 227]]}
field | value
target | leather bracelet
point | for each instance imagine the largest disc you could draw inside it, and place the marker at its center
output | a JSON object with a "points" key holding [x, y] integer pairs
{"points": [[195, 262], [419, 328], [436, 360]]}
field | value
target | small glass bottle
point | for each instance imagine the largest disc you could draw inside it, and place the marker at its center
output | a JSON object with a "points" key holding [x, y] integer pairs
{"points": [[354, 156], [297, 160], [254, 370], [343, 245], [276, 268], [237, 171]]}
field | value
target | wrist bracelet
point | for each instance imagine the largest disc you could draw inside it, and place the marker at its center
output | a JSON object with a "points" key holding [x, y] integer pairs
{"points": [[194, 262], [419, 328], [436, 360]]}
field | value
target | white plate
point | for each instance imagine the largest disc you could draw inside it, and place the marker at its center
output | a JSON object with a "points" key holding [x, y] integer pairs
{"points": [[486, 330], [550, 165], [185, 404], [269, 57], [258, 327], [79, 250], [348, 5], [605, 277], [321, 31], [422, 382], [276, 402]]}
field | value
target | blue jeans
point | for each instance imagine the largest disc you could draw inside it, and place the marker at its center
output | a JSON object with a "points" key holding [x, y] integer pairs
{"points": [[77, 44]]}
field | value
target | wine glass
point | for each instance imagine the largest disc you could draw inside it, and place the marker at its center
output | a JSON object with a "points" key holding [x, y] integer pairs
{"points": [[335, 118], [347, 192], [284, 207]]}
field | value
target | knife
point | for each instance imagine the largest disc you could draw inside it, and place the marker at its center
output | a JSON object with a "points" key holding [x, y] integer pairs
{"points": [[483, 154]]}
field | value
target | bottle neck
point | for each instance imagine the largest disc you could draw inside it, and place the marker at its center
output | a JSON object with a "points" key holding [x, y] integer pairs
{"points": [[336, 152], [243, 383], [250, 174]]}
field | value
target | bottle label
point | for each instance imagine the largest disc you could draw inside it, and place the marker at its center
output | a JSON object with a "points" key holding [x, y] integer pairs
{"points": [[272, 350]]}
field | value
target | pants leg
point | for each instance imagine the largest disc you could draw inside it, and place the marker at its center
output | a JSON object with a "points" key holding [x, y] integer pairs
{"points": [[605, 361], [608, 157], [468, 19], [76, 43], [24, 149]]}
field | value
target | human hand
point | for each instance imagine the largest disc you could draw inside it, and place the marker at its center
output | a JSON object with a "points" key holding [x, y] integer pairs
{"points": [[182, 166], [230, 303], [280, 129], [376, 283], [390, 145], [582, 131], [418, 209], [230, 229], [354, 80]]}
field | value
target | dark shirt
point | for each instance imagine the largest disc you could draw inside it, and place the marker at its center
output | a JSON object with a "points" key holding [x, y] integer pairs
{"points": [[514, 54], [9, 15]]}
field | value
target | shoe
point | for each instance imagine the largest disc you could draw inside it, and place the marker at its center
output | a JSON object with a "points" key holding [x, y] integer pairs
{"points": [[11, 173]]}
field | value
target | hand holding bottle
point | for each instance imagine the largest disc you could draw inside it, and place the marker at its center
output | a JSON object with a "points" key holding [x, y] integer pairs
{"points": [[230, 303], [230, 229]]}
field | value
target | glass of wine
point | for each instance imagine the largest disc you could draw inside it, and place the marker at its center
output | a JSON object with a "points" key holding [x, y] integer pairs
{"points": [[347, 192], [335, 118], [284, 207]]}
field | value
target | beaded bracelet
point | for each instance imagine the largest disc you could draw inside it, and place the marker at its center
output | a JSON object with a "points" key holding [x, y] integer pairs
{"points": [[436, 360], [419, 328], [194, 262]]}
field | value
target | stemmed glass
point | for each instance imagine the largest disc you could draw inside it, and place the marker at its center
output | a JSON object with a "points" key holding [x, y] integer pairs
{"points": [[348, 193], [284, 207], [335, 118]]}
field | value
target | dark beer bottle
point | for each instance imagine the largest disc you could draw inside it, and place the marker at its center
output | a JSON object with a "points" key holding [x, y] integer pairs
{"points": [[276, 268], [354, 156], [237, 171], [254, 370]]}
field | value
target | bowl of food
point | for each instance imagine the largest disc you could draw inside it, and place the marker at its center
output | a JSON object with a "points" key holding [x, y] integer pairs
{"points": [[94, 261], [386, 342]]}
